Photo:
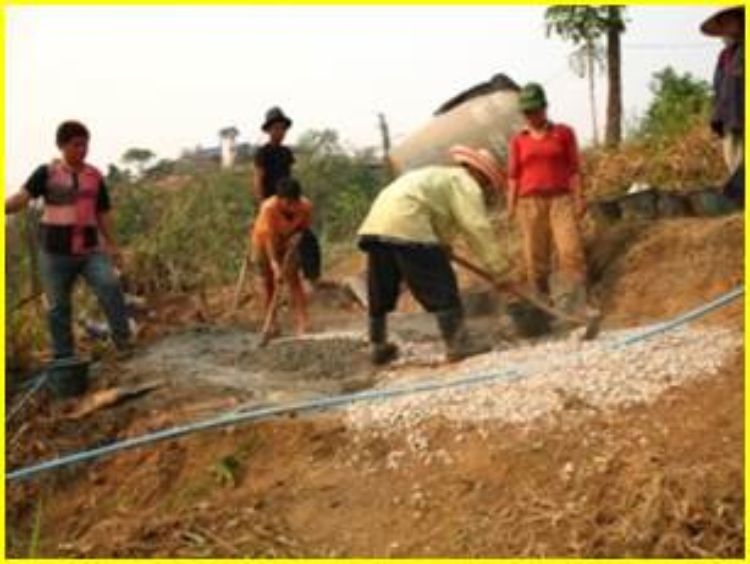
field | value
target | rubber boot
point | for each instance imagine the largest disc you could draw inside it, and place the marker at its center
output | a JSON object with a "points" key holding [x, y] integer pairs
{"points": [[541, 288], [572, 299], [458, 343], [381, 351]]}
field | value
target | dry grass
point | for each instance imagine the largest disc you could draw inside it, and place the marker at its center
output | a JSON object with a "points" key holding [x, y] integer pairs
{"points": [[691, 161]]}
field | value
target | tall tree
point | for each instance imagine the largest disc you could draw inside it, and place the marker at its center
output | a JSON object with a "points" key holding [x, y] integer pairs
{"points": [[585, 26], [586, 62], [613, 21], [138, 157]]}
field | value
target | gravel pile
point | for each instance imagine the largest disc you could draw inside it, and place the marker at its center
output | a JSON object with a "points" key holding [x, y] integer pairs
{"points": [[541, 380]]}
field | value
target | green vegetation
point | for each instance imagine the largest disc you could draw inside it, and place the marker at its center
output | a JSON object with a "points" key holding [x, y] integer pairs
{"points": [[138, 157], [184, 237], [36, 531], [670, 146], [25, 323], [192, 233], [680, 100]]}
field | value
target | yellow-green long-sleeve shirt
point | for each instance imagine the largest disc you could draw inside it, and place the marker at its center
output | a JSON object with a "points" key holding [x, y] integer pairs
{"points": [[433, 205]]}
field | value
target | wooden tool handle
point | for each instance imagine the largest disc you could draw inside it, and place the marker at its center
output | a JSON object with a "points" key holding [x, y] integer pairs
{"points": [[513, 289], [273, 306]]}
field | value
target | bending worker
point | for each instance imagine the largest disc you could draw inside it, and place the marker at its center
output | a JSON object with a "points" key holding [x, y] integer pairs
{"points": [[405, 236], [281, 221]]}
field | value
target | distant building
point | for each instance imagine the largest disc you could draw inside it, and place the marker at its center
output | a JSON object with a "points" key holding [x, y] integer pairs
{"points": [[227, 143]]}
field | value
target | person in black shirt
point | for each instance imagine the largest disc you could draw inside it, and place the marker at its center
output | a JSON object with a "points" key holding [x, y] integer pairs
{"points": [[76, 239], [273, 161]]}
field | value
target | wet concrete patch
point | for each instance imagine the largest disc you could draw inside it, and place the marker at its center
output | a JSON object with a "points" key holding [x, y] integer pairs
{"points": [[326, 358], [229, 359], [287, 369]]}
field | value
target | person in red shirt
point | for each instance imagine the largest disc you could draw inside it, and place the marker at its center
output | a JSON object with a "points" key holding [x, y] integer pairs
{"points": [[545, 195], [280, 224]]}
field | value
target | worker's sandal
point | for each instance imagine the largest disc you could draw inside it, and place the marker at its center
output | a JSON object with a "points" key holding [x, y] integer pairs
{"points": [[572, 299]]}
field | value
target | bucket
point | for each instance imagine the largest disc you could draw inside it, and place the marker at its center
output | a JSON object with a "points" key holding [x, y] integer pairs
{"points": [[485, 116], [529, 320], [68, 377], [710, 202], [672, 204], [639, 205]]}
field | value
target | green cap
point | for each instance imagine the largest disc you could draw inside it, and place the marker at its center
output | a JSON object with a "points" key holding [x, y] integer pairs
{"points": [[532, 97]]}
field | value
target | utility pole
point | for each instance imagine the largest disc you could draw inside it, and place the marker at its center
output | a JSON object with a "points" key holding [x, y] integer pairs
{"points": [[385, 136]]}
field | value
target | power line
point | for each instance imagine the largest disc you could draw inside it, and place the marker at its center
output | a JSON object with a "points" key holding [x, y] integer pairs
{"points": [[668, 46]]}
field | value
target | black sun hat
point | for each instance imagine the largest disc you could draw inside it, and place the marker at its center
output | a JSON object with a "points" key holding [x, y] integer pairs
{"points": [[716, 24], [273, 115]]}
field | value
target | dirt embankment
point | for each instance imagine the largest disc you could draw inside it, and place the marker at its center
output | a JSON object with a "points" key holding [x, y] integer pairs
{"points": [[659, 480], [653, 270]]}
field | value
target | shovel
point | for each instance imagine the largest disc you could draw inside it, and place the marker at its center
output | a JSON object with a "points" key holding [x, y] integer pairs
{"points": [[591, 322], [242, 277], [273, 306]]}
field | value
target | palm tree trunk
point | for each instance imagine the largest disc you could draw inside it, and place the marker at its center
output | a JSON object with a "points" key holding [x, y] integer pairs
{"points": [[614, 62], [592, 94]]}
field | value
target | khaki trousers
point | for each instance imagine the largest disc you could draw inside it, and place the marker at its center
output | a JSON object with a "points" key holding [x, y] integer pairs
{"points": [[545, 221]]}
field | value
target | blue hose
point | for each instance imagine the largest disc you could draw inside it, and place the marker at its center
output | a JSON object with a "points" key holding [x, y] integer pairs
{"points": [[341, 400], [684, 318]]}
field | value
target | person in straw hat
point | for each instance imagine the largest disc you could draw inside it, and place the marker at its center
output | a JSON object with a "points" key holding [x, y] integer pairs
{"points": [[546, 196], [405, 236], [728, 112]]}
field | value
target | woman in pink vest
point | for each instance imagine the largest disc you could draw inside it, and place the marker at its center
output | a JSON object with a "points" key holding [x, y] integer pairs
{"points": [[76, 238]]}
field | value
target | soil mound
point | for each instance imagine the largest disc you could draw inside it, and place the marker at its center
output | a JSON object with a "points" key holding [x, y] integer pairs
{"points": [[648, 271]]}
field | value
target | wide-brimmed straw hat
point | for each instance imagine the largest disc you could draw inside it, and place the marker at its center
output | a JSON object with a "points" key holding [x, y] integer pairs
{"points": [[480, 160], [716, 24]]}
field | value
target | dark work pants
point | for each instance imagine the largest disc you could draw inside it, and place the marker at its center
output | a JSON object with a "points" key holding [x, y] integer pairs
{"points": [[59, 273], [425, 269]]}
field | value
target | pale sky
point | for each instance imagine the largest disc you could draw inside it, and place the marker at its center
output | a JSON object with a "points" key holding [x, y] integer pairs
{"points": [[168, 78]]}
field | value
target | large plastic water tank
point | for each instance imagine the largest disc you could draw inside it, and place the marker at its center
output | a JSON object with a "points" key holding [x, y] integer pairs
{"points": [[485, 116]]}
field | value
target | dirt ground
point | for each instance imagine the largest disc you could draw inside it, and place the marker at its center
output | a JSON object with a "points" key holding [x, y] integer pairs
{"points": [[663, 478]]}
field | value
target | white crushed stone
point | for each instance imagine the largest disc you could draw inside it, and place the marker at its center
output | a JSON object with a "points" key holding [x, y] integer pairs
{"points": [[555, 375]]}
